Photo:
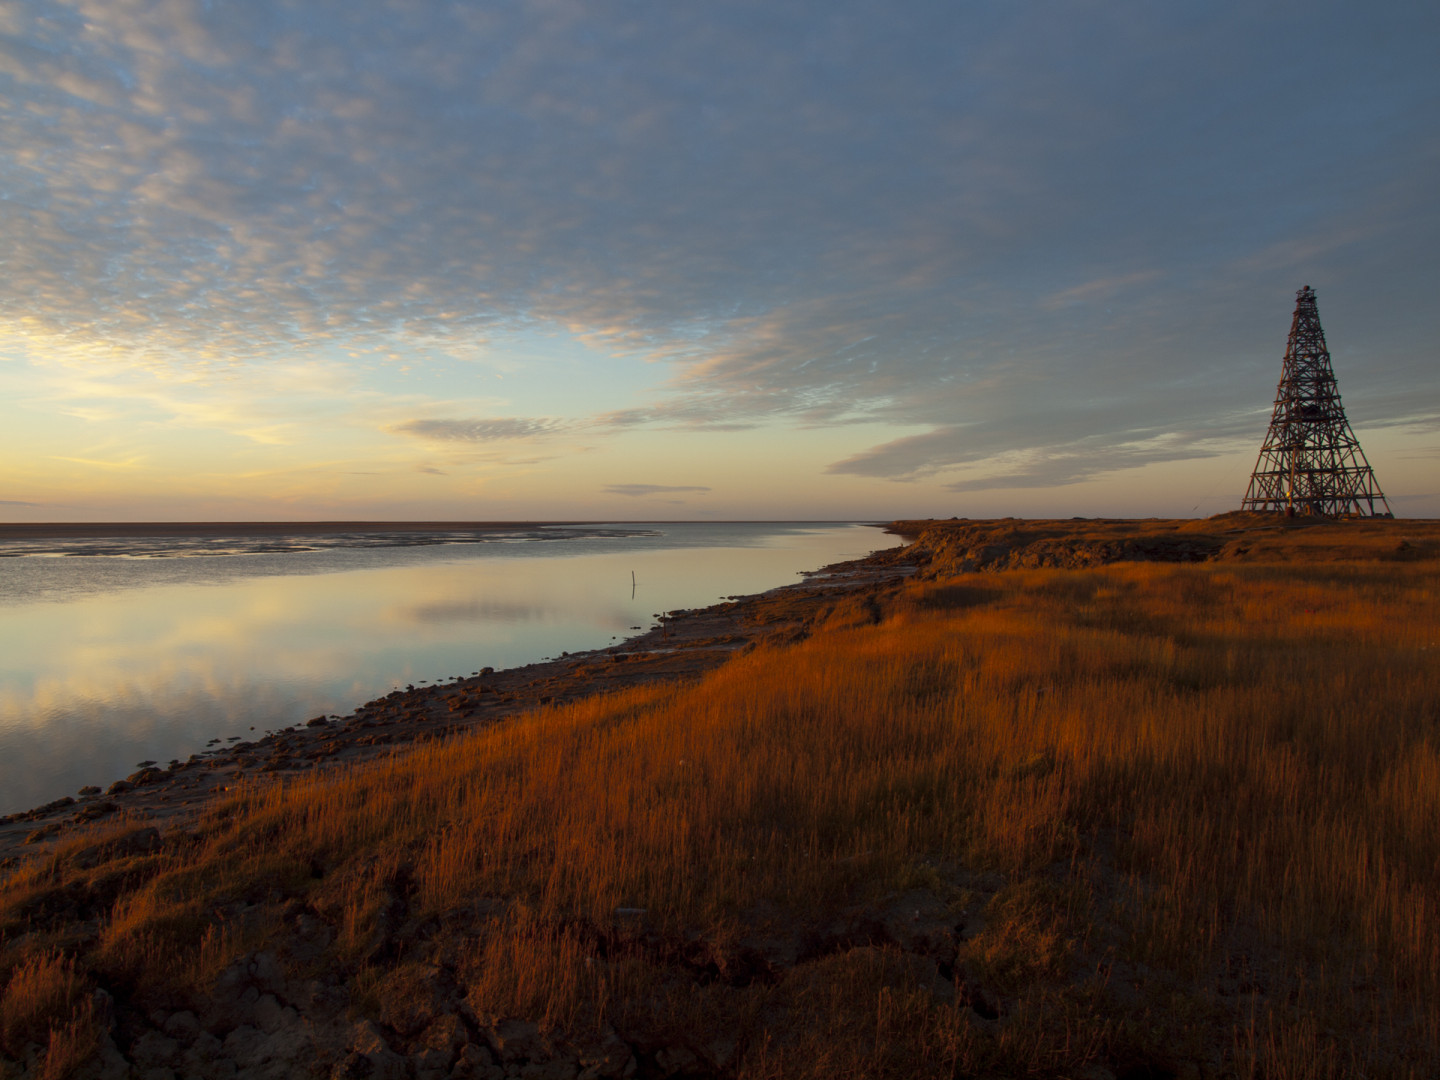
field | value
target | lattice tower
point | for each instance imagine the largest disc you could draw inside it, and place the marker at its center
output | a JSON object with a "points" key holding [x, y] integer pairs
{"points": [[1311, 462]]}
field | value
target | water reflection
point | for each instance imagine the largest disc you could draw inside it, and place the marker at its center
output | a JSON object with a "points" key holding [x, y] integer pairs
{"points": [[474, 611], [100, 671]]}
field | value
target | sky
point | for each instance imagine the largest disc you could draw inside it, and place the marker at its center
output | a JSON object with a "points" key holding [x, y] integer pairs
{"points": [[629, 260]]}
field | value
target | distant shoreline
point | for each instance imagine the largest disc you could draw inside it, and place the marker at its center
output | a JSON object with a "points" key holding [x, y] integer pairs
{"points": [[72, 530], [106, 530]]}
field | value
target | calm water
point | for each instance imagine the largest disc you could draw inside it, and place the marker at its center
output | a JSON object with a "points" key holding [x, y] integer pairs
{"points": [[113, 652]]}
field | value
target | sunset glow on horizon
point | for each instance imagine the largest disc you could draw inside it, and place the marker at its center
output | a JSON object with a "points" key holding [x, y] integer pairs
{"points": [[617, 261]]}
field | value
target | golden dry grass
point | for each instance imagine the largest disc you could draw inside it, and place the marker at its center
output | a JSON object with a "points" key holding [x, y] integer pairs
{"points": [[46, 1002], [1212, 791]]}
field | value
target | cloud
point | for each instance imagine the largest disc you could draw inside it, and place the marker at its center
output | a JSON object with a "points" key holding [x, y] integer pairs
{"points": [[494, 429], [1016, 227], [1099, 289], [643, 490], [18, 502], [1072, 447]]}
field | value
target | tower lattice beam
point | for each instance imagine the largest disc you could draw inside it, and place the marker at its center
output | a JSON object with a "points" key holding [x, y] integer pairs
{"points": [[1311, 462]]}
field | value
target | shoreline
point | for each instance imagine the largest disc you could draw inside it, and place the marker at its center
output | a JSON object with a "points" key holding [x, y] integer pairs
{"points": [[116, 530], [687, 644], [112, 530]]}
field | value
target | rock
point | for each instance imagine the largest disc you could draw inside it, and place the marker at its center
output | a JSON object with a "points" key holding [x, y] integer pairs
{"points": [[365, 1038], [204, 1050], [675, 1060], [271, 1016], [475, 1063], [240, 1044], [412, 996], [106, 1064], [118, 787], [281, 1049], [88, 790], [432, 1063], [267, 974], [921, 922], [319, 1002], [370, 1056], [721, 1053], [43, 833], [152, 1049], [560, 1068], [103, 1010], [183, 1027], [517, 1040], [447, 1033], [353, 1066], [610, 1059], [147, 776], [239, 990], [96, 810]]}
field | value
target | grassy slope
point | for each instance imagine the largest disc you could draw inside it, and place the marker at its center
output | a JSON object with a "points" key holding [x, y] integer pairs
{"points": [[1184, 815]]}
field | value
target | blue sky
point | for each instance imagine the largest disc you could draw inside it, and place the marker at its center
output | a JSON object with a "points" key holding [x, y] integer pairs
{"points": [[626, 259]]}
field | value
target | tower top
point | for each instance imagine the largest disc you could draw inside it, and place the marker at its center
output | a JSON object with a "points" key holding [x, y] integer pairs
{"points": [[1311, 462]]}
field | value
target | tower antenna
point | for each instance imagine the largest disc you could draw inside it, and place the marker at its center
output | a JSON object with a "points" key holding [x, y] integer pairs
{"points": [[1311, 462]]}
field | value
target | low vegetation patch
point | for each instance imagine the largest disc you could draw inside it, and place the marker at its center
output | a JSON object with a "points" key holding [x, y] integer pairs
{"points": [[1141, 819]]}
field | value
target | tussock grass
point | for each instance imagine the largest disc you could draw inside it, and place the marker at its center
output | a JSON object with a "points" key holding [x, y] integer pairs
{"points": [[1211, 793], [46, 1002]]}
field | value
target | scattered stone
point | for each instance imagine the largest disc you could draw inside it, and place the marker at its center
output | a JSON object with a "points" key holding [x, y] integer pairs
{"points": [[516, 1040], [447, 1033], [612, 1059], [677, 1060], [95, 810], [107, 1064], [370, 1057], [432, 1063], [183, 1027], [412, 996], [38, 812], [475, 1063], [153, 1049]]}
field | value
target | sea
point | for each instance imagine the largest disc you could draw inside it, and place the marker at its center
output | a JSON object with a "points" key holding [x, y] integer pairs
{"points": [[119, 651]]}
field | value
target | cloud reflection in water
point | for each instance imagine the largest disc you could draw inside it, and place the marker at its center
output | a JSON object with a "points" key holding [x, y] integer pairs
{"points": [[153, 665]]}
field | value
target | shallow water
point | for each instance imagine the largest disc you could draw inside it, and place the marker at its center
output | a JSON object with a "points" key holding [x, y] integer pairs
{"points": [[146, 650]]}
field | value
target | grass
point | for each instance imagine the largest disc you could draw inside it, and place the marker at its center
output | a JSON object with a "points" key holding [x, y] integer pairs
{"points": [[1205, 799]]}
